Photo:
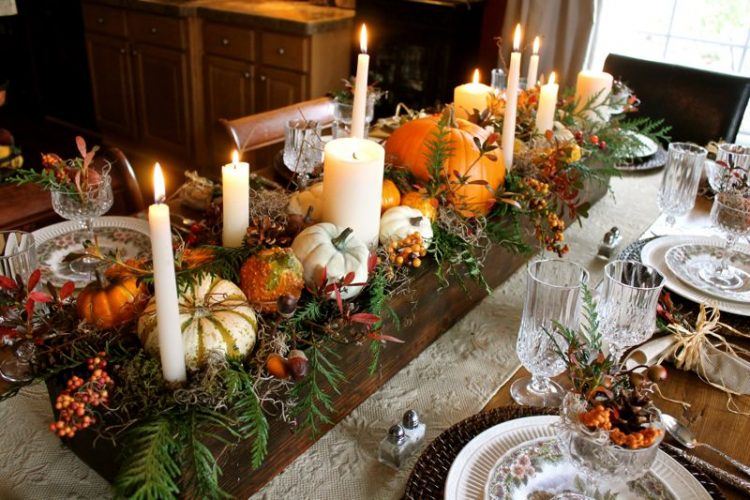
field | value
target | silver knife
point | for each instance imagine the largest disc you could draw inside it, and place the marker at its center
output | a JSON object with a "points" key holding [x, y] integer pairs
{"points": [[711, 470]]}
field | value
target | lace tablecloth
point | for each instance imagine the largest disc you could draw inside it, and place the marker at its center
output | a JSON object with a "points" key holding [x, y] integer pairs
{"points": [[450, 380]]}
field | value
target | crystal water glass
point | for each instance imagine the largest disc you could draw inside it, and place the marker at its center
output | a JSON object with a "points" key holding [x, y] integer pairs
{"points": [[17, 254], [303, 147], [679, 183], [730, 213], [731, 169], [498, 79], [553, 298], [342, 116], [94, 200], [627, 304]]}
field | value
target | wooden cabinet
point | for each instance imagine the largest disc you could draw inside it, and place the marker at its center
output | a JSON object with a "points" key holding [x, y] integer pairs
{"points": [[278, 88], [230, 88], [161, 87], [111, 82]]}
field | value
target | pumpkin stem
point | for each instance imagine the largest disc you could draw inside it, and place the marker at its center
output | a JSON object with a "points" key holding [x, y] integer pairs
{"points": [[416, 221], [450, 115], [340, 241]]}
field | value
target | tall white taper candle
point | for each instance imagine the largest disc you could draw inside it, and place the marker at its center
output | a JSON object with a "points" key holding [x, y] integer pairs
{"points": [[511, 100], [171, 348], [545, 112], [533, 65], [359, 105], [235, 193]]}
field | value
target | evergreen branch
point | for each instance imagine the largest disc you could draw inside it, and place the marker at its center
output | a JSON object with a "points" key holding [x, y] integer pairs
{"points": [[205, 470], [312, 399], [253, 422]]}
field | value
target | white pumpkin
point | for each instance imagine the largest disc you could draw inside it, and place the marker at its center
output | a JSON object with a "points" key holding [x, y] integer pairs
{"points": [[399, 222], [327, 248], [215, 318], [302, 201]]}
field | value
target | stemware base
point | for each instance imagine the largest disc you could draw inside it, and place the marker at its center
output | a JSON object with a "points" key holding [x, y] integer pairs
{"points": [[84, 266], [537, 392], [729, 278]]}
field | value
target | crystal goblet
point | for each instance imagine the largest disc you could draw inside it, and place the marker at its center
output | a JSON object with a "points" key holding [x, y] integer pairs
{"points": [[731, 170], [627, 304], [679, 182], [553, 299], [17, 254], [730, 213], [93, 200]]}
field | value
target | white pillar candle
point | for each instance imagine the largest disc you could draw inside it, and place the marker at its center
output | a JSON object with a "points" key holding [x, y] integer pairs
{"points": [[511, 100], [171, 347], [353, 186], [592, 88], [235, 193], [533, 65], [545, 113], [471, 96], [359, 105]]}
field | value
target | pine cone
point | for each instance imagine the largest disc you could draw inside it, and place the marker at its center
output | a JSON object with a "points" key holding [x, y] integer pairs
{"points": [[267, 233]]}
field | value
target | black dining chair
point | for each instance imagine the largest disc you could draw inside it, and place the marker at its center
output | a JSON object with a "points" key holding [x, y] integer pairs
{"points": [[701, 106]]}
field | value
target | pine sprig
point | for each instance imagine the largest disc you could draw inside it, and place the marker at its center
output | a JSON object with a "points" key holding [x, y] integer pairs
{"points": [[205, 471], [438, 150], [457, 257], [150, 470], [313, 402], [253, 422]]}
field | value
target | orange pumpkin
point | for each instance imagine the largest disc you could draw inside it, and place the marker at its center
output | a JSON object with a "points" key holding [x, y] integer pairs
{"points": [[408, 146], [391, 196], [428, 206], [110, 304]]}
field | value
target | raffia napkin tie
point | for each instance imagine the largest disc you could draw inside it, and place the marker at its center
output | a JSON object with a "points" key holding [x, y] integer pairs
{"points": [[701, 349]]}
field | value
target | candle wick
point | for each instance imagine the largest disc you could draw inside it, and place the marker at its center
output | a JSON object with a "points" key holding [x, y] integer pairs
{"points": [[354, 155], [161, 199]]}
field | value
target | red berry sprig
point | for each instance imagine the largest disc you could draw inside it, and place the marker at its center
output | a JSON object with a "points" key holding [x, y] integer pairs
{"points": [[77, 401]]}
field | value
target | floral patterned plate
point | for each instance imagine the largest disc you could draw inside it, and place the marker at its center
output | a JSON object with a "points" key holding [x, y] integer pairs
{"points": [[481, 460], [537, 470], [53, 243]]}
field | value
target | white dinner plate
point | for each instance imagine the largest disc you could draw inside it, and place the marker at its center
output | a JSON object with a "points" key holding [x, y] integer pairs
{"points": [[648, 146], [654, 254], [686, 262], [127, 235], [471, 470]]}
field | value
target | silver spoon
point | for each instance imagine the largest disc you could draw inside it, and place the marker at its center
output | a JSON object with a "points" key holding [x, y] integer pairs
{"points": [[686, 438]]}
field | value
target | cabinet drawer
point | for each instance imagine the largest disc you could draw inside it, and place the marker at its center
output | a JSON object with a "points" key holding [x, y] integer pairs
{"points": [[229, 41], [285, 51], [157, 30], [104, 20]]}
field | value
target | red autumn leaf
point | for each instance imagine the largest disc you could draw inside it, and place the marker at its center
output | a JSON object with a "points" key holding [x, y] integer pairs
{"points": [[29, 307], [7, 283], [34, 279], [339, 299], [67, 290], [365, 318], [8, 333], [372, 262], [492, 138], [384, 338], [348, 279], [40, 297], [81, 145]]}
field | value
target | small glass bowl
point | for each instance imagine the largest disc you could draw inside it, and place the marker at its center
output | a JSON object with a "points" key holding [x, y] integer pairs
{"points": [[595, 453]]}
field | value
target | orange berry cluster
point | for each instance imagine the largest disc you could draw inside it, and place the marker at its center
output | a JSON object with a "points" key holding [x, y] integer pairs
{"points": [[76, 402], [409, 251], [549, 227], [599, 417]]}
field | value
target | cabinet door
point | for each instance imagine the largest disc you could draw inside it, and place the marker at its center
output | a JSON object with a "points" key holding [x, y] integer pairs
{"points": [[278, 88], [230, 89], [111, 84], [161, 89]]}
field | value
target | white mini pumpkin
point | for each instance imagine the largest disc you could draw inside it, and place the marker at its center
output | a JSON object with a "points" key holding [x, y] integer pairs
{"points": [[327, 248], [215, 318], [302, 201], [399, 222]]}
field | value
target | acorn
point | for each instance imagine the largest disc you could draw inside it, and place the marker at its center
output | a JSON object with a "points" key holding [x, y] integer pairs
{"points": [[656, 373], [298, 364], [287, 304], [277, 366], [636, 379]]}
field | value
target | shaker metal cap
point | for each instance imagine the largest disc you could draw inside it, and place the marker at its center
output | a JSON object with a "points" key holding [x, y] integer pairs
{"points": [[411, 419], [396, 434]]}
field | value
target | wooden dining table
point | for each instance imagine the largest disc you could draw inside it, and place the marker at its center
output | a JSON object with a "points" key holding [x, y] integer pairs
{"points": [[708, 415]]}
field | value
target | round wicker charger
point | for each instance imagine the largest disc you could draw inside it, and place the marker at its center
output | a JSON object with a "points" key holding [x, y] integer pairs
{"points": [[427, 480]]}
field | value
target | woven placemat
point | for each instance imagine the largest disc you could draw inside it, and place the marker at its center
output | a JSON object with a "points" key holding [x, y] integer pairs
{"points": [[427, 480]]}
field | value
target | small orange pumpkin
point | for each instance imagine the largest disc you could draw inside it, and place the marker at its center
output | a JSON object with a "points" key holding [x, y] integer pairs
{"points": [[409, 146], [109, 304], [391, 196], [428, 206]]}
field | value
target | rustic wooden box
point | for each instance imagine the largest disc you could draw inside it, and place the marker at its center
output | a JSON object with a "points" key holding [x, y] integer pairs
{"points": [[437, 312]]}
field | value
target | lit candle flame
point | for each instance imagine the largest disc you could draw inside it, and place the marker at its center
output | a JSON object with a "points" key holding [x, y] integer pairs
{"points": [[517, 38], [235, 157], [535, 47], [363, 39], [475, 79], [159, 191], [551, 78]]}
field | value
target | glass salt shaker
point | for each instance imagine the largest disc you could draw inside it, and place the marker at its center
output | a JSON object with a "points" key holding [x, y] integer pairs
{"points": [[414, 428], [394, 448]]}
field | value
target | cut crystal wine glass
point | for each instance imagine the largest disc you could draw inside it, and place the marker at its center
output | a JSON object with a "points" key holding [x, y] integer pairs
{"points": [[627, 304], [731, 170], [553, 299], [94, 200], [679, 183], [730, 213]]}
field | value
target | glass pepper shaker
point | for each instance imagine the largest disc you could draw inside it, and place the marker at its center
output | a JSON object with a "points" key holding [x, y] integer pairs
{"points": [[394, 448], [414, 428]]}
